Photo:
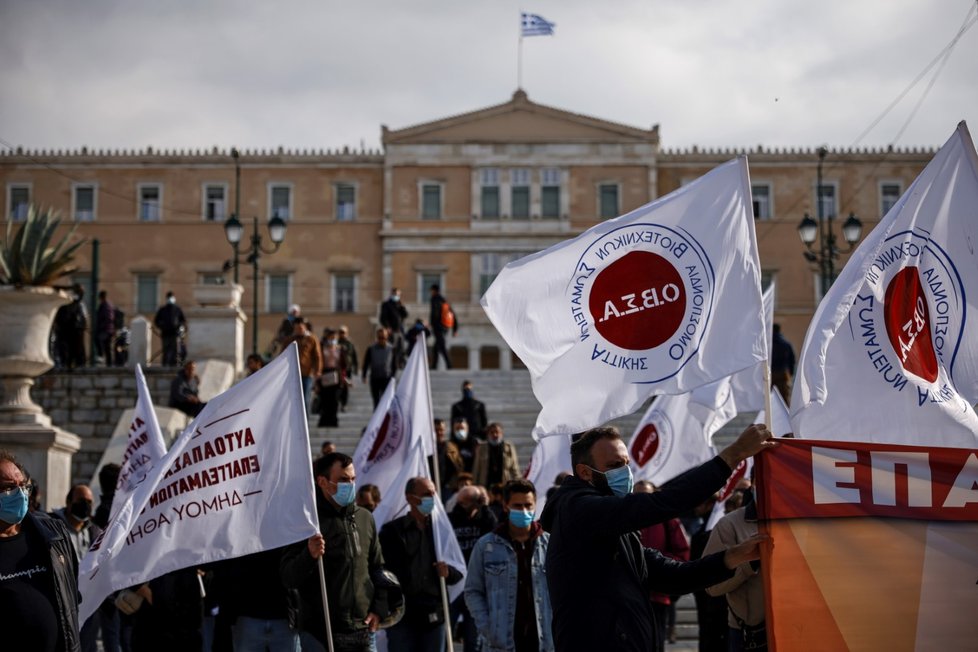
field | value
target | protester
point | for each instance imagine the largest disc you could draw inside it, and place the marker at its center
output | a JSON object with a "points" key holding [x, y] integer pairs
{"points": [[184, 389], [328, 384], [450, 462], [668, 538], [497, 504], [392, 316], [310, 357], [711, 612], [70, 324], [512, 609], [326, 448], [496, 462], [77, 515], [351, 554], [418, 330], [472, 410], [745, 590], [104, 328], [110, 623], [169, 320], [442, 320], [409, 548], [170, 614], [598, 571], [782, 364], [40, 609], [466, 444], [349, 363], [378, 362], [463, 480], [286, 329], [368, 497], [471, 520], [254, 362]]}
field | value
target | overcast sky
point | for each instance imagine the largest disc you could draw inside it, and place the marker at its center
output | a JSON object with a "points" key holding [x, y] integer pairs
{"points": [[325, 73]]}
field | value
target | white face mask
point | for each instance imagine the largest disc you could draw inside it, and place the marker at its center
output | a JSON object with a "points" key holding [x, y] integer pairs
{"points": [[171, 300], [462, 434]]}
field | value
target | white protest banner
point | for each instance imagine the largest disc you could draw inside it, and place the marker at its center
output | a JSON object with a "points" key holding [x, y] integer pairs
{"points": [[887, 357], [669, 440], [658, 301], [145, 447], [236, 482], [550, 457]]}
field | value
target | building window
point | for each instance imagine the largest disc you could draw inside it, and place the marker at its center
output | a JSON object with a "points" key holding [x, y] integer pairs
{"points": [[215, 202], [828, 197], [608, 200], [346, 202], [150, 202], [280, 200], [344, 292], [489, 267], [520, 193], [489, 183], [278, 292], [889, 195], [147, 293], [83, 202], [761, 199], [550, 193], [18, 201], [431, 201], [425, 281]]}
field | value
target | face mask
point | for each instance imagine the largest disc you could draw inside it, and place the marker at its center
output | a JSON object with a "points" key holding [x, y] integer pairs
{"points": [[520, 519], [346, 493], [495, 442], [462, 434], [82, 510], [618, 481], [427, 505], [395, 298], [171, 300], [13, 508], [333, 342], [466, 393]]}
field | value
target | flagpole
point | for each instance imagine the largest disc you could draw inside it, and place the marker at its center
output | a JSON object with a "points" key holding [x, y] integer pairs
{"points": [[767, 394], [322, 587], [437, 478], [519, 57]]}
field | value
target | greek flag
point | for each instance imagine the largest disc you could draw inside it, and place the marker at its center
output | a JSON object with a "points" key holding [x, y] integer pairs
{"points": [[534, 25]]}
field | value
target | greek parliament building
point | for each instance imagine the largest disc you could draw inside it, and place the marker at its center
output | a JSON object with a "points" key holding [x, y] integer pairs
{"points": [[449, 202]]}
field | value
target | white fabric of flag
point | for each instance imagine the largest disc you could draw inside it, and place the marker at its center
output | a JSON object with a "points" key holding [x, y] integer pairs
{"points": [[534, 25], [236, 482], [670, 440], [550, 457], [888, 357], [780, 418], [742, 471], [144, 448], [658, 301]]}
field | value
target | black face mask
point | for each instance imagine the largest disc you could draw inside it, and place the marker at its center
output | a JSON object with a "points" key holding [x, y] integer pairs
{"points": [[82, 510]]}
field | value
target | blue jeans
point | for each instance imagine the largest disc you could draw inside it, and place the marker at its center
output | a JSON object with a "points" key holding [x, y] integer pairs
{"points": [[406, 638], [254, 635], [307, 391]]}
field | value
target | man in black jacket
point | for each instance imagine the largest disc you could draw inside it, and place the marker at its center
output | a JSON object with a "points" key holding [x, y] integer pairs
{"points": [[598, 572], [409, 548], [438, 309], [392, 317], [39, 607], [351, 555], [472, 410], [169, 319]]}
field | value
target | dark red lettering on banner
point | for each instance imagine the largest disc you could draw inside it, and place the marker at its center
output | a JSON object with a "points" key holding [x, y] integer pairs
{"points": [[813, 479]]}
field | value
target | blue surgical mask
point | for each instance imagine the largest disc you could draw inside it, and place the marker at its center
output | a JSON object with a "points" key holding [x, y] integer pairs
{"points": [[13, 507], [427, 505], [619, 480], [346, 493], [520, 519], [461, 434]]}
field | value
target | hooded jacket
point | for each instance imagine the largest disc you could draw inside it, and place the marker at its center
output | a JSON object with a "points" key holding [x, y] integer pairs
{"points": [[600, 575]]}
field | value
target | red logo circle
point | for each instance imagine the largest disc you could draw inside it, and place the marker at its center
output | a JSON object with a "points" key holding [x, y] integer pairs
{"points": [[907, 320], [638, 301], [646, 444]]}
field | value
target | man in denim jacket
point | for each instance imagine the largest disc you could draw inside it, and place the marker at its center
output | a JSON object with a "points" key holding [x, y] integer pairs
{"points": [[506, 584]]}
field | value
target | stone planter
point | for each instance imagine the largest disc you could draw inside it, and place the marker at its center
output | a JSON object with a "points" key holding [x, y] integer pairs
{"points": [[223, 296], [25, 329]]}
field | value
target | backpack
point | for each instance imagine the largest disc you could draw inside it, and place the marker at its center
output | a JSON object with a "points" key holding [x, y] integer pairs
{"points": [[447, 316]]}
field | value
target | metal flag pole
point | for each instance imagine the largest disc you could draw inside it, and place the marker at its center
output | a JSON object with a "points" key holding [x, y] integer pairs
{"points": [[519, 56], [436, 472], [322, 587], [767, 395]]}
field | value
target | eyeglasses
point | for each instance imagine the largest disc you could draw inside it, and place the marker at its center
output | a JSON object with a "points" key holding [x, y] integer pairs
{"points": [[9, 490]]}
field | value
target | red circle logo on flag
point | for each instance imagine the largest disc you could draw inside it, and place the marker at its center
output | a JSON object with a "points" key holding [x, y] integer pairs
{"points": [[388, 439], [907, 320], [645, 444], [638, 301]]}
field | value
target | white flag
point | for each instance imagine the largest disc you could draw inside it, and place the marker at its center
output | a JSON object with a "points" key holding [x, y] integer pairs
{"points": [[550, 457], [658, 301], [669, 440], [237, 481], [780, 419], [742, 470], [890, 355], [144, 448]]}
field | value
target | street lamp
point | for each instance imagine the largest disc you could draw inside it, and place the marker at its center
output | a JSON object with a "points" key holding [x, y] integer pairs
{"points": [[237, 208], [810, 230], [233, 231]]}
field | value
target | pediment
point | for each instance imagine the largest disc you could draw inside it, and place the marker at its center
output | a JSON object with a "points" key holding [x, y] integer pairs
{"points": [[519, 121]]}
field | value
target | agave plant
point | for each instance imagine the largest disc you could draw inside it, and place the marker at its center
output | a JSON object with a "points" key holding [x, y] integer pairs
{"points": [[27, 257]]}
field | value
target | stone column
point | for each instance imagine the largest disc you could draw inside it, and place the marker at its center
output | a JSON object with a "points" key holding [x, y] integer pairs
{"points": [[140, 343], [475, 361], [215, 329]]}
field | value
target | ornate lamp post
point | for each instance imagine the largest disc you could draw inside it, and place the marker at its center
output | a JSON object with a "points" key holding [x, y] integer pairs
{"points": [[809, 230], [233, 231]]}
